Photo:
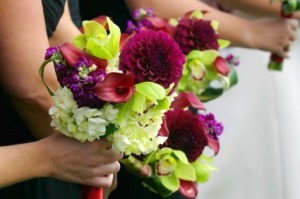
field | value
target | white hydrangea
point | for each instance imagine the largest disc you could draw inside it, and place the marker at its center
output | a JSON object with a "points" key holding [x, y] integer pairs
{"points": [[84, 124], [134, 139], [135, 133]]}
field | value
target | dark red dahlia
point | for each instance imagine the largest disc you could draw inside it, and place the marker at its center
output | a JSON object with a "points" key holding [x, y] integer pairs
{"points": [[153, 56], [187, 133], [196, 34]]}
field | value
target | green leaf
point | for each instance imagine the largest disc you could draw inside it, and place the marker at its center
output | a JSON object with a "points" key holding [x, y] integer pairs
{"points": [[110, 129], [124, 111], [162, 105], [138, 102], [197, 13], [223, 43], [215, 25], [151, 90], [41, 72], [209, 56], [210, 93]]}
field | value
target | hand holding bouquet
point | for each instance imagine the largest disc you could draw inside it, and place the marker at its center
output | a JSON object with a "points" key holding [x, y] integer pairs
{"points": [[287, 9]]}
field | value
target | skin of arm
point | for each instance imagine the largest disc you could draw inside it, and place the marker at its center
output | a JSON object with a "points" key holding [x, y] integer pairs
{"points": [[25, 44], [258, 8], [54, 157], [251, 33]]}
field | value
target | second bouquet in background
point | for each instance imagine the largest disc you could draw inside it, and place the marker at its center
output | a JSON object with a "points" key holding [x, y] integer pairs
{"points": [[206, 73]]}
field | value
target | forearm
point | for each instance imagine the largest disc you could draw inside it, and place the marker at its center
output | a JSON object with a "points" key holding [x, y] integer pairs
{"points": [[21, 162], [20, 62], [228, 24], [259, 8]]}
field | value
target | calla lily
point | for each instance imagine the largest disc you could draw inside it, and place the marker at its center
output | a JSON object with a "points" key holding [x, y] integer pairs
{"points": [[71, 54], [188, 189], [185, 100], [214, 145], [221, 66], [163, 24], [116, 87]]}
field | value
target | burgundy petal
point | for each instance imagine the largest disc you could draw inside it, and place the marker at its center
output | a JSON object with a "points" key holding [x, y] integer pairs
{"points": [[188, 189], [221, 66], [214, 145], [186, 99], [116, 87], [124, 38], [161, 24], [71, 55], [164, 131]]}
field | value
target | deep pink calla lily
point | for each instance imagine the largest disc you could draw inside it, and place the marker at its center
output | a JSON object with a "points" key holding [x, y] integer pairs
{"points": [[188, 189], [214, 145], [187, 99], [71, 55], [163, 24], [221, 66], [116, 87]]}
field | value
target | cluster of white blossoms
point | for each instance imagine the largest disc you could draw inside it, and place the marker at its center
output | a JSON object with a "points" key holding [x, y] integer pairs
{"points": [[133, 133], [84, 124]]}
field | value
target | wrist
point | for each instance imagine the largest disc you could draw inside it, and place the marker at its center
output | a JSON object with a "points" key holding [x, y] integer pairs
{"points": [[44, 162]]}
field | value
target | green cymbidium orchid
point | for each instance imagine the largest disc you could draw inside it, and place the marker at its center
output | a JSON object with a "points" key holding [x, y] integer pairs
{"points": [[198, 71], [96, 40], [171, 166], [203, 167], [203, 75]]}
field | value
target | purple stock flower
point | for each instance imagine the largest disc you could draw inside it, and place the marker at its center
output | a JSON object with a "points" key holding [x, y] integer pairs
{"points": [[214, 127], [233, 60], [50, 52], [153, 56], [81, 79]]}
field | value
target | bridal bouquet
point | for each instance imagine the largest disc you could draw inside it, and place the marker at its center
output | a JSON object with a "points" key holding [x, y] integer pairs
{"points": [[181, 162], [206, 73], [114, 85]]}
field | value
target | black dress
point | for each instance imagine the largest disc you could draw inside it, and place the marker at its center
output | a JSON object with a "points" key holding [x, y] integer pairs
{"points": [[16, 132], [129, 186]]}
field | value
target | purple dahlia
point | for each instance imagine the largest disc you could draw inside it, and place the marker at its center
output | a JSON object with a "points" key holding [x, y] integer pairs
{"points": [[153, 56], [196, 34]]}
